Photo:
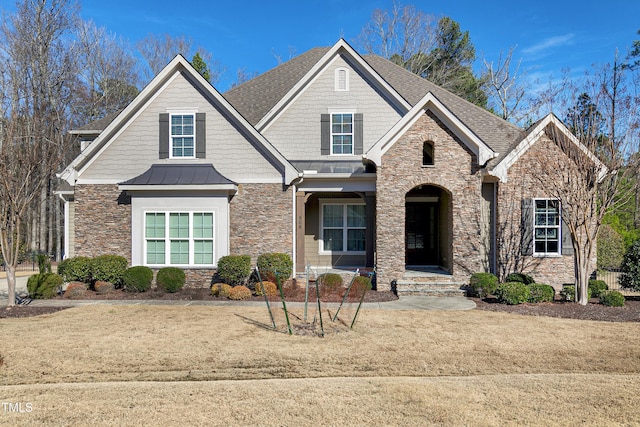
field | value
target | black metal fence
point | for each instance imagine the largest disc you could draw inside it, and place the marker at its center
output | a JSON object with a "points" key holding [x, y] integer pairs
{"points": [[29, 262]]}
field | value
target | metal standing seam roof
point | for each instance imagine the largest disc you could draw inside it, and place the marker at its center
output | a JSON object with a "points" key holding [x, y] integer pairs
{"points": [[172, 174]]}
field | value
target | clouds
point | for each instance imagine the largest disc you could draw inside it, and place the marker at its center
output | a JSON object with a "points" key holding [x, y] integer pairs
{"points": [[540, 49]]}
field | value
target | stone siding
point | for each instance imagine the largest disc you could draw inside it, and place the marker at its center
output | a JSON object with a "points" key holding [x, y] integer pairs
{"points": [[260, 220], [102, 221], [525, 180], [456, 172]]}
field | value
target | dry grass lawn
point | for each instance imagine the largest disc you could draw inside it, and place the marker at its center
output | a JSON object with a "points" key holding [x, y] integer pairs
{"points": [[166, 365]]}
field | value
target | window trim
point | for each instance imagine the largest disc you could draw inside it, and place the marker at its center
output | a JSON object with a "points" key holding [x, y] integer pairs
{"points": [[167, 238], [346, 79], [558, 227], [171, 136], [345, 228], [352, 133]]}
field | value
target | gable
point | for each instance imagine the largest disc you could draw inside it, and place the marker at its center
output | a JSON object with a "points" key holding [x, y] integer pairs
{"points": [[296, 131], [131, 143]]}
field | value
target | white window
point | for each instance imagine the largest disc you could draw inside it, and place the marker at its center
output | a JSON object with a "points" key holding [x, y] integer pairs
{"points": [[342, 79], [182, 136], [342, 133], [546, 227], [179, 238], [343, 227]]}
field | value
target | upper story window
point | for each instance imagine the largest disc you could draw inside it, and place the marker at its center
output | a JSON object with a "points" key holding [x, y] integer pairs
{"points": [[342, 79], [546, 226], [427, 153], [182, 136], [342, 133]]}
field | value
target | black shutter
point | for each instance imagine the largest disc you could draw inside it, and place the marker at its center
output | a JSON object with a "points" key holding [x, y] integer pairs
{"points": [[567, 241], [325, 134], [357, 134], [201, 136], [163, 133], [527, 227]]}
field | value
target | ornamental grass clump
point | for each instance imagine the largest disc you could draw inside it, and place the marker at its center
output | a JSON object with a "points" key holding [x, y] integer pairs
{"points": [[234, 269], [512, 293], [612, 299], [483, 284], [539, 292], [268, 288], [221, 290], [137, 279], [75, 290], [170, 279], [239, 293]]}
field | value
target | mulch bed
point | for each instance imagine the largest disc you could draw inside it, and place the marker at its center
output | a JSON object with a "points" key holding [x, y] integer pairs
{"points": [[592, 311]]}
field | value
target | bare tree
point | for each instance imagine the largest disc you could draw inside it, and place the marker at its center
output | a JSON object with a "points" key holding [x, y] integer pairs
{"points": [[159, 50], [243, 76], [504, 86], [38, 75], [590, 185]]}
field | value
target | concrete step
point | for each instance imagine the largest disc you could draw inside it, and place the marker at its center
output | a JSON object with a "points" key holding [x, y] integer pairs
{"points": [[448, 289]]}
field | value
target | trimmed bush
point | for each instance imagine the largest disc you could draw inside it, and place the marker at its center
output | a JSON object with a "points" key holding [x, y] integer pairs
{"points": [[330, 281], [137, 279], [612, 299], [239, 293], [485, 281], [103, 287], [170, 279], [76, 269], [272, 263], [109, 268], [540, 292], [221, 290], [596, 287], [630, 277], [512, 293], [270, 288], [75, 290], [234, 269], [43, 286], [521, 278]]}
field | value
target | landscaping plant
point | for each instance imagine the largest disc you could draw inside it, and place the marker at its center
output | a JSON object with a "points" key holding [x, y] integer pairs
{"points": [[44, 286], [274, 262], [109, 268], [137, 279], [520, 277], [540, 292], [630, 277], [512, 293], [483, 284], [170, 279], [612, 299], [234, 269], [76, 269], [596, 287]]}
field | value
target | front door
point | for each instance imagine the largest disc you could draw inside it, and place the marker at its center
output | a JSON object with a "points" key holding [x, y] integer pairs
{"points": [[421, 233]]}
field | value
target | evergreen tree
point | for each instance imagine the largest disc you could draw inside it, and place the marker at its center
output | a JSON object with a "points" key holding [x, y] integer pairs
{"points": [[201, 66]]}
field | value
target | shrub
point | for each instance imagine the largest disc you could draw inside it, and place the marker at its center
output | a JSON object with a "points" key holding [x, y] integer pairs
{"points": [[596, 287], [221, 290], [270, 288], [521, 278], [137, 279], [272, 263], [44, 263], [75, 290], [109, 268], [360, 285], [610, 247], [612, 299], [43, 286], [512, 293], [485, 281], [103, 287], [76, 269], [630, 277], [239, 293], [568, 292], [170, 279], [540, 292], [330, 281], [234, 269]]}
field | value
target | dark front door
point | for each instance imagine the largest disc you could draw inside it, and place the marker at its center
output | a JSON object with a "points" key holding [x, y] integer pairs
{"points": [[421, 233]]}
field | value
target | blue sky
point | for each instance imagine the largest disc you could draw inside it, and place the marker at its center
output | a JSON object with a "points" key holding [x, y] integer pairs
{"points": [[550, 35]]}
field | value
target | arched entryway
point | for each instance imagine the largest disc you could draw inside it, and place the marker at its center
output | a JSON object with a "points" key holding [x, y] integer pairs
{"points": [[428, 227]]}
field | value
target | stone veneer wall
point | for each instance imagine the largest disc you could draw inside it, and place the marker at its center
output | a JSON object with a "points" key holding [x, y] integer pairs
{"points": [[102, 221], [524, 182], [260, 220], [455, 170]]}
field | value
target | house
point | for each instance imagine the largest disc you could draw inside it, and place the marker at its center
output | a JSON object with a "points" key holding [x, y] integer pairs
{"points": [[339, 159]]}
